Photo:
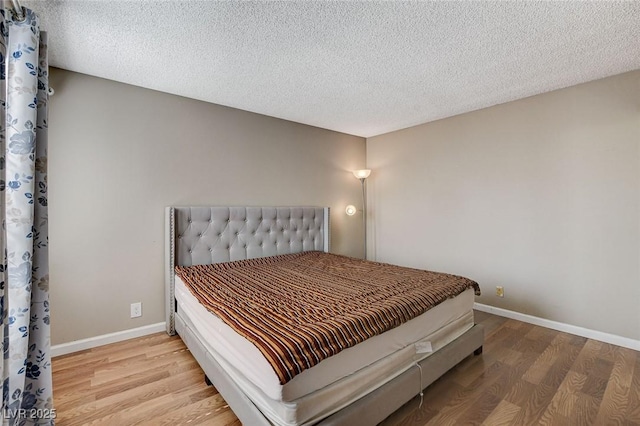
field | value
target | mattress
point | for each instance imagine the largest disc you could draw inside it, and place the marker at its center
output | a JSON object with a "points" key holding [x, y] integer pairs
{"points": [[336, 381]]}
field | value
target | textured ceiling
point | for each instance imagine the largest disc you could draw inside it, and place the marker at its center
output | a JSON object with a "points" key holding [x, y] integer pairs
{"points": [[363, 68]]}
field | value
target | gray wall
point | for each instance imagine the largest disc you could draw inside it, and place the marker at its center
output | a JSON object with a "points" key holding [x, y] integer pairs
{"points": [[119, 154], [541, 196]]}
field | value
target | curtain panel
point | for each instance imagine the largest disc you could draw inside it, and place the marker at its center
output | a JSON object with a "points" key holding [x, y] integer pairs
{"points": [[24, 272]]}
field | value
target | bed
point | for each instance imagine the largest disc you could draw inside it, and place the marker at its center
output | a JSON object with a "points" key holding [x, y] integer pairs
{"points": [[362, 384]]}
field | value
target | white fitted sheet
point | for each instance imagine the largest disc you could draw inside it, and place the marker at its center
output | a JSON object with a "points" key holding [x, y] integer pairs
{"points": [[247, 361], [320, 404]]}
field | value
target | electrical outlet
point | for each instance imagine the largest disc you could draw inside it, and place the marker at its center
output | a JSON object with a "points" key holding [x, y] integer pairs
{"points": [[499, 291], [136, 310]]}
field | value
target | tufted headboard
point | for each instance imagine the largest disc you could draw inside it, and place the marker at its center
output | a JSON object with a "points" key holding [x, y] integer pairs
{"points": [[205, 235]]}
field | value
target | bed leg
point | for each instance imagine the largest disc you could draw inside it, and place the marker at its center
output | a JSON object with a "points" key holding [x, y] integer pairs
{"points": [[478, 351], [207, 381]]}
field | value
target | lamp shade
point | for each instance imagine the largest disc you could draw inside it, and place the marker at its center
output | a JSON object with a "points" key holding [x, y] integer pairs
{"points": [[350, 210], [362, 174]]}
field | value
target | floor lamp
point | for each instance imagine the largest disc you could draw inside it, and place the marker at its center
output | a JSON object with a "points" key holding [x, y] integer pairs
{"points": [[362, 175]]}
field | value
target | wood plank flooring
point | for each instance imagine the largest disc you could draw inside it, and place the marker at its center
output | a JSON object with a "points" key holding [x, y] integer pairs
{"points": [[526, 375]]}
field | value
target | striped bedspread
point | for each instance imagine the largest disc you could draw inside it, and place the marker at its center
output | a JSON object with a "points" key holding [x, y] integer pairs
{"points": [[299, 309]]}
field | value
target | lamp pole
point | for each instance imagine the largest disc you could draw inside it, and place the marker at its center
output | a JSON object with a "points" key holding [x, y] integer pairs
{"points": [[364, 215], [363, 175]]}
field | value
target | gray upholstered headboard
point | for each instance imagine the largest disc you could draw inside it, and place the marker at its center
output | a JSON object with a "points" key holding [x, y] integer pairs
{"points": [[205, 235]]}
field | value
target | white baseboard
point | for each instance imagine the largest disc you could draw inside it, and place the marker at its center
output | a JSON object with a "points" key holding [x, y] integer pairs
{"points": [[105, 339], [560, 326]]}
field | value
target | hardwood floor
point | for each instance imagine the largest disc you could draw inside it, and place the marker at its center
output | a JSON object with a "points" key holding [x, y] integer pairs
{"points": [[151, 380], [526, 375]]}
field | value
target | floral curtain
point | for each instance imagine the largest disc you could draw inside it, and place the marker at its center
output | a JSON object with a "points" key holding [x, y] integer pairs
{"points": [[25, 369]]}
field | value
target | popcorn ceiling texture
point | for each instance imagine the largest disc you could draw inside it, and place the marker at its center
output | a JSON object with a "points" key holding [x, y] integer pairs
{"points": [[363, 68]]}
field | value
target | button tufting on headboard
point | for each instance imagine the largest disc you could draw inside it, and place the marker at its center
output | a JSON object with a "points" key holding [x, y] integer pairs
{"points": [[222, 234]]}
